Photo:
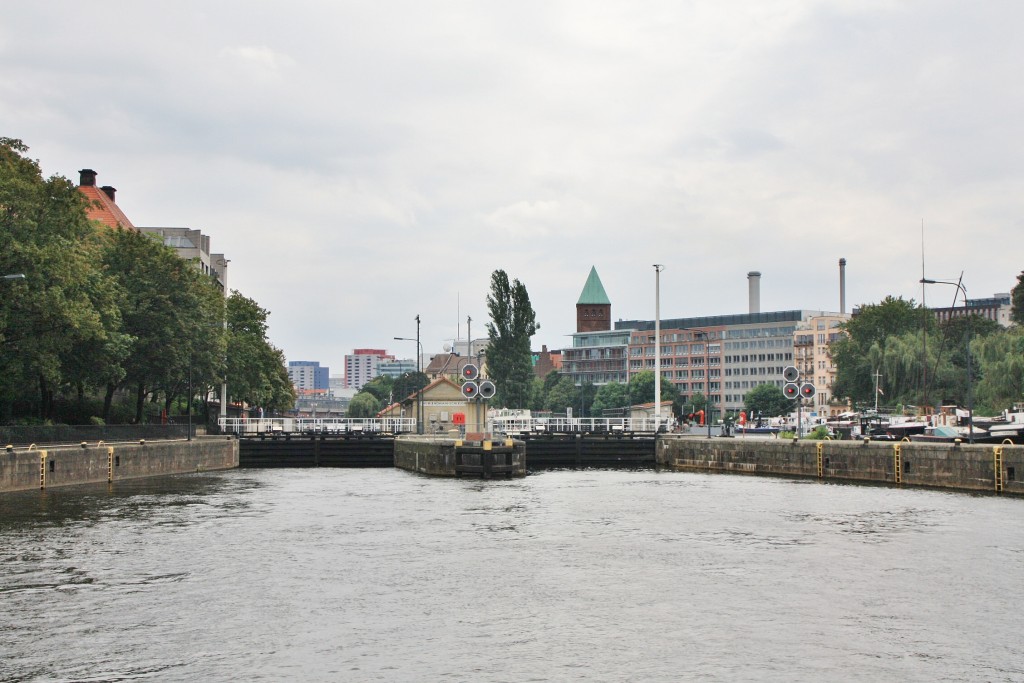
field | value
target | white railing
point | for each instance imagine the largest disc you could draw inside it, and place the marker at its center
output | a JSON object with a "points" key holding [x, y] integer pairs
{"points": [[613, 425], [406, 425], [318, 425]]}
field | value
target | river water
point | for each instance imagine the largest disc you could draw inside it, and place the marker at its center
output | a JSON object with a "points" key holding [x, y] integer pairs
{"points": [[383, 575]]}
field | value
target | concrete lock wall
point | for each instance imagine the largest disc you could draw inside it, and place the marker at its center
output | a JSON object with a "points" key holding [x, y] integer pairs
{"points": [[437, 456], [953, 466], [98, 462]]}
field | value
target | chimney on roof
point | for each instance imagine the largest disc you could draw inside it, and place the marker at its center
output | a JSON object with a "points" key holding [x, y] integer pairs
{"points": [[109, 191], [87, 177], [842, 285], [754, 290]]}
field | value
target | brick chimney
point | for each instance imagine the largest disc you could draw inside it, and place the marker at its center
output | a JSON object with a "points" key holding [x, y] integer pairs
{"points": [[87, 177], [109, 191]]}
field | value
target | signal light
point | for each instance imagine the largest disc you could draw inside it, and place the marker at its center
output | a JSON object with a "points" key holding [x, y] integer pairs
{"points": [[470, 389], [470, 371], [791, 390], [791, 374], [808, 390], [487, 389]]}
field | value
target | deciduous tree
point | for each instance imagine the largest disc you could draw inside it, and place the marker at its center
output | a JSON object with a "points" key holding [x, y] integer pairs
{"points": [[767, 400]]}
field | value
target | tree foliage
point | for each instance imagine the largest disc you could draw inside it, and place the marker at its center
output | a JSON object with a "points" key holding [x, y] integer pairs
{"points": [[612, 398], [256, 372], [767, 400], [512, 325], [859, 354], [64, 307], [641, 389], [408, 384], [1001, 357], [364, 404], [562, 396], [101, 312], [1017, 301]]}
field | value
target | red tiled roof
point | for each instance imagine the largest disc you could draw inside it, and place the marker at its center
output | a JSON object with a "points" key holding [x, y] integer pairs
{"points": [[103, 209]]}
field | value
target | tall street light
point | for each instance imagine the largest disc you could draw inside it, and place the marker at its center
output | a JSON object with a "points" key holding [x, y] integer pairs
{"points": [[970, 396], [15, 276], [657, 345], [419, 362]]}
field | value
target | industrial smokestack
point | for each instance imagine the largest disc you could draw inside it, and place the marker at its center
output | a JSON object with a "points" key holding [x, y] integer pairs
{"points": [[842, 285], [754, 287]]}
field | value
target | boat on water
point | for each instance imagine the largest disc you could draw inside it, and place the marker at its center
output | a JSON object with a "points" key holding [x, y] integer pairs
{"points": [[948, 434]]}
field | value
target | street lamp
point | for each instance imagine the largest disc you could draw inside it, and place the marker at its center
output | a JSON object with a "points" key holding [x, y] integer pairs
{"points": [[419, 361], [15, 276], [657, 345], [970, 397]]}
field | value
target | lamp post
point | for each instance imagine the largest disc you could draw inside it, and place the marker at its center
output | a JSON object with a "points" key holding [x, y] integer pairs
{"points": [[657, 345], [188, 407], [15, 276], [419, 360], [970, 396]]}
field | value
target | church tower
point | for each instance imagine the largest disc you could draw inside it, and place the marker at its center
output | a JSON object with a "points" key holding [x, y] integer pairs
{"points": [[593, 310]]}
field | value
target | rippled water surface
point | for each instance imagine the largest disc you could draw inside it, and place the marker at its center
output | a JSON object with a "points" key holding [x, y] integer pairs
{"points": [[366, 575]]}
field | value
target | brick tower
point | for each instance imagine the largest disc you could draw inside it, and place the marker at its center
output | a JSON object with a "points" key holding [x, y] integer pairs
{"points": [[593, 310]]}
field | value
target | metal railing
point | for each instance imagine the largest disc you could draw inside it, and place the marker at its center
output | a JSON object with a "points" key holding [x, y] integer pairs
{"points": [[317, 425], [404, 425], [586, 425], [73, 434]]}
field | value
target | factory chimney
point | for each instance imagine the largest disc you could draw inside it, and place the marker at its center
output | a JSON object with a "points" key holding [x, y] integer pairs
{"points": [[754, 287], [842, 285]]}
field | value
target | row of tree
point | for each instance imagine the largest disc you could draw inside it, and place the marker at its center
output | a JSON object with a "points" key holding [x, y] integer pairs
{"points": [[897, 352], [104, 314]]}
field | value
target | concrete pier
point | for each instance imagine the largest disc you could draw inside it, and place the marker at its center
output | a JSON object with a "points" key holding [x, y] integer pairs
{"points": [[449, 457]]}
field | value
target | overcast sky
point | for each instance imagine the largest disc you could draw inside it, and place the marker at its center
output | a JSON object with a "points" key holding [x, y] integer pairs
{"points": [[364, 162]]}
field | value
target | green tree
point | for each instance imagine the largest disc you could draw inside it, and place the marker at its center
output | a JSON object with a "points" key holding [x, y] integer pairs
{"points": [[408, 384], [767, 400], [538, 392], [513, 323], [1017, 301], [859, 353], [612, 397], [697, 401], [256, 372], [1001, 358], [641, 389], [382, 388], [173, 313], [563, 395], [66, 306], [364, 404]]}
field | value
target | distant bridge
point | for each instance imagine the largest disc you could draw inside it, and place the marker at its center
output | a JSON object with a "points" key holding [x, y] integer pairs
{"points": [[510, 426]]}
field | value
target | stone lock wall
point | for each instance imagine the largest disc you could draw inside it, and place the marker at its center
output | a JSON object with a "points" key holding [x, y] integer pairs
{"points": [[46, 467], [953, 466]]}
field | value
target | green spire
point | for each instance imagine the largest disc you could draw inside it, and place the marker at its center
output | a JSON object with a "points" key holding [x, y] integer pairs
{"points": [[593, 291]]}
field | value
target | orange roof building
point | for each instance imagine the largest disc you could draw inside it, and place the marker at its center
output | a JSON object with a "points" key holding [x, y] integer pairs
{"points": [[102, 207]]}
